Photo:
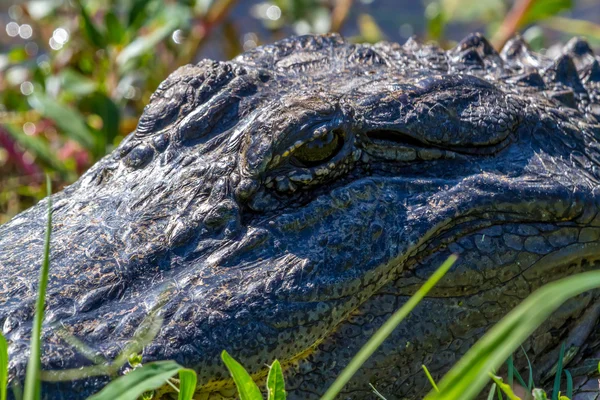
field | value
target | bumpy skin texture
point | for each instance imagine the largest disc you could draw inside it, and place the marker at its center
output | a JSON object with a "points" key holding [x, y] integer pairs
{"points": [[283, 204]]}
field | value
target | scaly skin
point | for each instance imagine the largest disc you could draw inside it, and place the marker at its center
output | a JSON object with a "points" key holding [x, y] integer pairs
{"points": [[283, 204]]}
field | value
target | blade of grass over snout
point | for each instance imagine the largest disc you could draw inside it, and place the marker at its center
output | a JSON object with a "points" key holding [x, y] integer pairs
{"points": [[569, 384], [386, 329], [468, 377], [144, 335], [246, 387], [559, 369], [275, 382], [149, 377], [187, 383], [431, 381], [3, 367], [32, 377]]}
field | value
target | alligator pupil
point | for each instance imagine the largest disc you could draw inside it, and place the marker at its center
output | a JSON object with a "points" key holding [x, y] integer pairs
{"points": [[319, 150]]}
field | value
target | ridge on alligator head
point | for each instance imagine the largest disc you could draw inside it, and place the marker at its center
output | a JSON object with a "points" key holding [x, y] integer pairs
{"points": [[285, 203]]}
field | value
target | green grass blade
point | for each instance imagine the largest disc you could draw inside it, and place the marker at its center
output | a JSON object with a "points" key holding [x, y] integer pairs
{"points": [[3, 367], [187, 383], [245, 385], [530, 382], [510, 371], [569, 384], [559, 365], [137, 13], [376, 392], [90, 29], [143, 379], [275, 382], [468, 377], [386, 329], [431, 381], [491, 393], [32, 376]]}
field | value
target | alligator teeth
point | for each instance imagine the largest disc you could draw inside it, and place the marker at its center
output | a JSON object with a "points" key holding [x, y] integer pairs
{"points": [[301, 178], [321, 171], [430, 154]]}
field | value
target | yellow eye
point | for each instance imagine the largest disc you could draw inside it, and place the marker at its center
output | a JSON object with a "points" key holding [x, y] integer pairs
{"points": [[319, 150]]}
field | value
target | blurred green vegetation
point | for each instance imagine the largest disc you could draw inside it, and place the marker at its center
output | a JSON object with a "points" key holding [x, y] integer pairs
{"points": [[75, 75]]}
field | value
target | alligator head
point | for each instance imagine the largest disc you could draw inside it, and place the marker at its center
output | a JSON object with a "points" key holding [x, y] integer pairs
{"points": [[283, 204]]}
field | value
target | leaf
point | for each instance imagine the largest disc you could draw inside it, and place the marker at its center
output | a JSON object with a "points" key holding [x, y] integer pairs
{"points": [[187, 384], [472, 10], [467, 378], [504, 387], [243, 381], [91, 32], [102, 105], [275, 382], [76, 83], [137, 14], [38, 147], [17, 55], [174, 17], [3, 367], [143, 379], [66, 118], [539, 394], [542, 9], [115, 32]]}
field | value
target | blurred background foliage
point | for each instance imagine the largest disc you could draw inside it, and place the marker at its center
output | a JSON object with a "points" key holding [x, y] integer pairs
{"points": [[76, 74]]}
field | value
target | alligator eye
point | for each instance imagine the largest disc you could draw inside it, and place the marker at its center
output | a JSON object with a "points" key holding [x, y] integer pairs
{"points": [[319, 150]]}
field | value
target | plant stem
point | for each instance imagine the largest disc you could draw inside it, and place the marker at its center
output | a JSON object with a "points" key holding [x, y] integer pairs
{"points": [[32, 378]]}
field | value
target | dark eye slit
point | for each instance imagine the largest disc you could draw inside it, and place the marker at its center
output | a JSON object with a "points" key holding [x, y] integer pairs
{"points": [[396, 137]]}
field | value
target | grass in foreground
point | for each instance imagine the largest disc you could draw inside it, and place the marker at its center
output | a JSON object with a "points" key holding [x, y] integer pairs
{"points": [[464, 381]]}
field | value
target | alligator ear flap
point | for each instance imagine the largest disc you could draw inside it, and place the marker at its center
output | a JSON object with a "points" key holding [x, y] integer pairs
{"points": [[516, 54]]}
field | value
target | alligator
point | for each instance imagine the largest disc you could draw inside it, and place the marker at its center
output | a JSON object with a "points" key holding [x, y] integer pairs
{"points": [[283, 204]]}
